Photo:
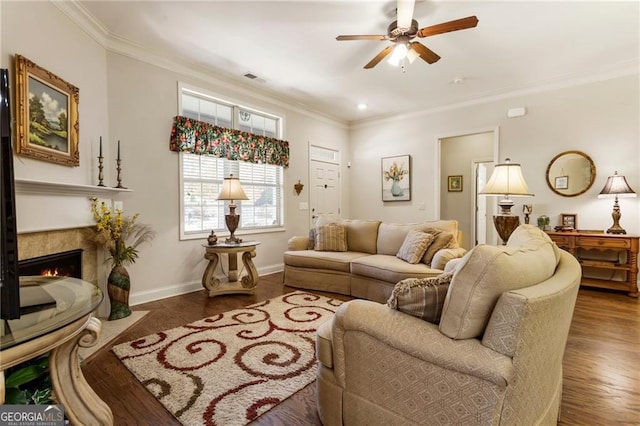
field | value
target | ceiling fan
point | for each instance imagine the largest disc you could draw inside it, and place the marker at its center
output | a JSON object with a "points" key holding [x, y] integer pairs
{"points": [[402, 31]]}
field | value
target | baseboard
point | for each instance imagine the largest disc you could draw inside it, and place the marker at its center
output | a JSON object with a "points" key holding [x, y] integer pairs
{"points": [[138, 298]]}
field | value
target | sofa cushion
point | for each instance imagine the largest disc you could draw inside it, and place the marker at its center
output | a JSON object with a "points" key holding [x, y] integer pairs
{"points": [[390, 268], [414, 246], [362, 235], [486, 272], [391, 235], [332, 260], [331, 237], [441, 240], [421, 297]]}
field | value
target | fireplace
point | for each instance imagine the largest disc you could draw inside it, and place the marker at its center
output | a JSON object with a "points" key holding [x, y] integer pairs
{"points": [[64, 264]]}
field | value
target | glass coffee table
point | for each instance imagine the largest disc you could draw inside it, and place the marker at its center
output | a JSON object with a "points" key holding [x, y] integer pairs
{"points": [[57, 318]]}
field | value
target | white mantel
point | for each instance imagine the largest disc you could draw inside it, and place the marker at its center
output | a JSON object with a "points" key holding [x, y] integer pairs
{"points": [[47, 206], [29, 186]]}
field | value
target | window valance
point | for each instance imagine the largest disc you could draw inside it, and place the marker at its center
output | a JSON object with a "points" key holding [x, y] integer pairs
{"points": [[198, 137]]}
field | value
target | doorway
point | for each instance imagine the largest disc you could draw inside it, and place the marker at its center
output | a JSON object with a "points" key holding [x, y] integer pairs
{"points": [[469, 159]]}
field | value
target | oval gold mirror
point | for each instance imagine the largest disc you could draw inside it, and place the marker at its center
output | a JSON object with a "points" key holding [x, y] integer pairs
{"points": [[571, 173]]}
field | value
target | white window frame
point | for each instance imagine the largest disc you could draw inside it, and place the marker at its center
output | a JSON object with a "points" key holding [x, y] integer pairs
{"points": [[236, 107]]}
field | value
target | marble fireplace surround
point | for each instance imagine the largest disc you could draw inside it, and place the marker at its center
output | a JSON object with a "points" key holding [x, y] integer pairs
{"points": [[41, 243]]}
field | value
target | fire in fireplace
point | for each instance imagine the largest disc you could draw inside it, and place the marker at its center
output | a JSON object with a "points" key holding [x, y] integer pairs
{"points": [[64, 264]]}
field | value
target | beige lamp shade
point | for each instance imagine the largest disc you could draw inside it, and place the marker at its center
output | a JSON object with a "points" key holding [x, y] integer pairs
{"points": [[616, 186], [506, 180], [232, 190]]}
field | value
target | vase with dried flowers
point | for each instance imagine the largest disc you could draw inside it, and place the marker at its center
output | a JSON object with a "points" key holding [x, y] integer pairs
{"points": [[120, 236], [395, 173]]}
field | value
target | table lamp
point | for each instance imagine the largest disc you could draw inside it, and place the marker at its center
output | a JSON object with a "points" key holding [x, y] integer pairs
{"points": [[506, 181], [232, 190], [616, 186]]}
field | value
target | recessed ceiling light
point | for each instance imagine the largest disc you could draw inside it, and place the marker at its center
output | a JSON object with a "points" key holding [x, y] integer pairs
{"points": [[458, 80], [362, 106]]}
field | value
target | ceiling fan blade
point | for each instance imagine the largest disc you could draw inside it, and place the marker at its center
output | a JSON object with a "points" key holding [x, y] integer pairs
{"points": [[445, 27], [425, 53], [405, 13], [362, 37], [380, 56]]}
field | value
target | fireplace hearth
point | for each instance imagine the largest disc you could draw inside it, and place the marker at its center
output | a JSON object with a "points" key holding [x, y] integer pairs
{"points": [[64, 264]]}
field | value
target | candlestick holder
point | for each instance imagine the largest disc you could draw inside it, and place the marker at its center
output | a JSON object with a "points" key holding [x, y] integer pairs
{"points": [[100, 174], [119, 169]]}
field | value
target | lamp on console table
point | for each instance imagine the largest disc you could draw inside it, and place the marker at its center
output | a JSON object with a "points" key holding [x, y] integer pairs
{"points": [[506, 181], [232, 190], [616, 186]]}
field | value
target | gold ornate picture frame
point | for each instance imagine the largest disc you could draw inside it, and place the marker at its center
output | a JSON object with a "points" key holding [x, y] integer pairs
{"points": [[454, 183], [47, 124]]}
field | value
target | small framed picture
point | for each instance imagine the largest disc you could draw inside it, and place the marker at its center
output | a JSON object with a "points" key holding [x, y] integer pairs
{"points": [[455, 183], [562, 182], [569, 220]]}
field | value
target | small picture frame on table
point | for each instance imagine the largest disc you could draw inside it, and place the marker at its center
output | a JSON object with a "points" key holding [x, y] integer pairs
{"points": [[569, 220]]}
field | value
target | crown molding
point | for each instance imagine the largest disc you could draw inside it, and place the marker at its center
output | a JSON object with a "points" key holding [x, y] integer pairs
{"points": [[80, 16], [622, 69]]}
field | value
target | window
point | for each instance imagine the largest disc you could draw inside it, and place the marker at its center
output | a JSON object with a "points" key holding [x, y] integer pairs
{"points": [[201, 176]]}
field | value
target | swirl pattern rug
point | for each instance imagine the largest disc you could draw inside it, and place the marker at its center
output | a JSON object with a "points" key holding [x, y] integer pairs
{"points": [[230, 368]]}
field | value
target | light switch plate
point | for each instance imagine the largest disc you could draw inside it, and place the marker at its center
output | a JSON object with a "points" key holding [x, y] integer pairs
{"points": [[118, 205]]}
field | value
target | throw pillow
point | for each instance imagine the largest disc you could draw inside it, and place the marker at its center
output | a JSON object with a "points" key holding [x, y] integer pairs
{"points": [[331, 237], [442, 240], [415, 244], [421, 297]]}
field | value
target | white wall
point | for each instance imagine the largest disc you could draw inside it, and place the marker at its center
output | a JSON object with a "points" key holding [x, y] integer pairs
{"points": [[61, 48], [601, 118], [135, 102], [143, 99]]}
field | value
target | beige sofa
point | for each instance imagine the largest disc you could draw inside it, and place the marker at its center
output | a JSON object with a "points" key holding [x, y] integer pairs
{"points": [[369, 268], [494, 359]]}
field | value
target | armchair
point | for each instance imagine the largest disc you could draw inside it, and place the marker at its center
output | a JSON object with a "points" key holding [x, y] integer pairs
{"points": [[381, 366]]}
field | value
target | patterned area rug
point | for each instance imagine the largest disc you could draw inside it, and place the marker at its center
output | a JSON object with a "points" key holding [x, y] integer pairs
{"points": [[230, 368]]}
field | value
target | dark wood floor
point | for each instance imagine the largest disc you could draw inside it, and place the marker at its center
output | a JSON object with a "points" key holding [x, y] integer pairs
{"points": [[601, 371]]}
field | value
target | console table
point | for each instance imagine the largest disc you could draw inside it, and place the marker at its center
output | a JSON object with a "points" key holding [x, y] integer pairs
{"points": [[572, 241], [59, 326], [235, 284]]}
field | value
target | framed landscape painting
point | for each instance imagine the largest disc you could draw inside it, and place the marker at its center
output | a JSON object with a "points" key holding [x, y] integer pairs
{"points": [[396, 178], [46, 115]]}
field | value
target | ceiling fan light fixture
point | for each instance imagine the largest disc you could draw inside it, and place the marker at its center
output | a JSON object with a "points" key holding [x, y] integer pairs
{"points": [[399, 53]]}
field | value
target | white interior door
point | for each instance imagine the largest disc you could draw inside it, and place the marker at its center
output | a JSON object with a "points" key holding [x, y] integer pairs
{"points": [[325, 189], [481, 203]]}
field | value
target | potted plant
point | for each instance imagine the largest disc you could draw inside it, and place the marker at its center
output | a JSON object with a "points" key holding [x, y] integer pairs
{"points": [[120, 236]]}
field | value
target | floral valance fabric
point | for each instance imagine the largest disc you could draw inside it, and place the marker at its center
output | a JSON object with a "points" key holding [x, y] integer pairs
{"points": [[198, 137]]}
